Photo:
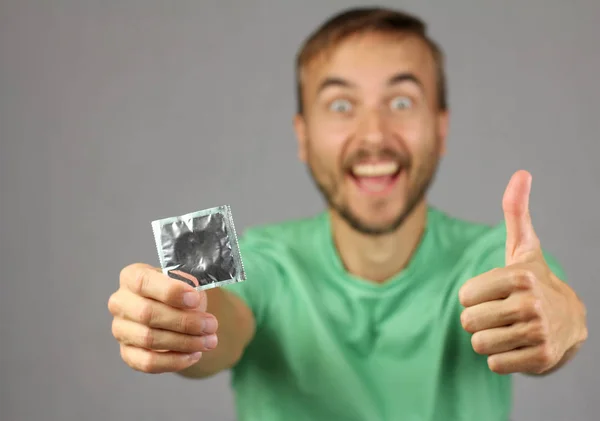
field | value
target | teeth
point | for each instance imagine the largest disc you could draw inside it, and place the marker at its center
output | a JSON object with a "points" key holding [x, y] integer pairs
{"points": [[375, 170]]}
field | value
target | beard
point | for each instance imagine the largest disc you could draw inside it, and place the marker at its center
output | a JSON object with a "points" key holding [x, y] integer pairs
{"points": [[423, 178]]}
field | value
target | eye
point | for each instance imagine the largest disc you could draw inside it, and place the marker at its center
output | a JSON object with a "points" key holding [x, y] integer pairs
{"points": [[401, 103], [340, 106]]}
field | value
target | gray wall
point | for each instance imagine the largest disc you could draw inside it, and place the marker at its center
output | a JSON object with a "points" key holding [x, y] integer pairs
{"points": [[115, 113]]}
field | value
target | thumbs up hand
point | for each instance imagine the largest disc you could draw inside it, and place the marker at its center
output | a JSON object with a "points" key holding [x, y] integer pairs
{"points": [[522, 316]]}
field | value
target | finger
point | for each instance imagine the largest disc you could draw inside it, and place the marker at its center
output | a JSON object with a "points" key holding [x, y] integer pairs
{"points": [[520, 235], [134, 334], [157, 315], [150, 282], [487, 315], [149, 361], [496, 284], [518, 307], [532, 359], [506, 338]]}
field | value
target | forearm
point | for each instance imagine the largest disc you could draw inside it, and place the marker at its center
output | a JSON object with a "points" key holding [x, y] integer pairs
{"points": [[236, 329]]}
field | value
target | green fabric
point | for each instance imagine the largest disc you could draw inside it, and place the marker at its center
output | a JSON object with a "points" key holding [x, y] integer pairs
{"points": [[330, 346]]}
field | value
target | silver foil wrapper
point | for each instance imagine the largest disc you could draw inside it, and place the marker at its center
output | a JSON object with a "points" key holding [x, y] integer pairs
{"points": [[200, 248]]}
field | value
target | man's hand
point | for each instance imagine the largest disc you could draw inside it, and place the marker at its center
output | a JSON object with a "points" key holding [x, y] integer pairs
{"points": [[161, 323], [522, 316]]}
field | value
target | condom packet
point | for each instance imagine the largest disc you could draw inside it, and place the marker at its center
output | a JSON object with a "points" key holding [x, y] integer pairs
{"points": [[200, 248]]}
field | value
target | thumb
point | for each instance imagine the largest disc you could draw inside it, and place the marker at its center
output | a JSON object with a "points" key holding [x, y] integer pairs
{"points": [[521, 239]]}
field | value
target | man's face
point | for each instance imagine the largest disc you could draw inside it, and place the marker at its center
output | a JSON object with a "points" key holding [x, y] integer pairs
{"points": [[372, 133]]}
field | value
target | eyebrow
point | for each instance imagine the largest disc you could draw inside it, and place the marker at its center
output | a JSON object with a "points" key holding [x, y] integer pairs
{"points": [[405, 77], [334, 81], [394, 80]]}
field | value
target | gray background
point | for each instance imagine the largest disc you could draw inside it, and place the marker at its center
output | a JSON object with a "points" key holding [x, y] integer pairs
{"points": [[115, 113]]}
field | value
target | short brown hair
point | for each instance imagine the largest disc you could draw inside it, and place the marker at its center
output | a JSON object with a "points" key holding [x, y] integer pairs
{"points": [[363, 20]]}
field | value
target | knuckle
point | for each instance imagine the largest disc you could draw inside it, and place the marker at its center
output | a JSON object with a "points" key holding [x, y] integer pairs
{"points": [[172, 291], [545, 356], [148, 338], [139, 280], [141, 362], [536, 332], [528, 307], [535, 307], [513, 312], [115, 330], [524, 278], [185, 344], [146, 313], [125, 355], [185, 323], [147, 362], [113, 304], [124, 274], [129, 271]]}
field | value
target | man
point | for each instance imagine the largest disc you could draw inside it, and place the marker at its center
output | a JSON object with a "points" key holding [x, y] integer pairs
{"points": [[383, 307]]}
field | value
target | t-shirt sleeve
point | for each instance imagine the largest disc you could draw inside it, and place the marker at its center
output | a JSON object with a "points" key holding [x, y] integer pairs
{"points": [[259, 289], [494, 249]]}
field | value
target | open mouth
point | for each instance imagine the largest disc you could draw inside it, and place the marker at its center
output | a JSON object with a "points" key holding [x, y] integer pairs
{"points": [[376, 177]]}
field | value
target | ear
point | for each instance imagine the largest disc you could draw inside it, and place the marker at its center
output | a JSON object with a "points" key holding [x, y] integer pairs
{"points": [[443, 128], [300, 129]]}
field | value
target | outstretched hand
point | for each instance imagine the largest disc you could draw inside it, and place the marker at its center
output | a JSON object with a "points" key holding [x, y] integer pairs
{"points": [[522, 316]]}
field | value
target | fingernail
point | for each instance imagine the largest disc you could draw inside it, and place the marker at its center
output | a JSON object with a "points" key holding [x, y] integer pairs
{"points": [[210, 341], [210, 324], [195, 356], [191, 299]]}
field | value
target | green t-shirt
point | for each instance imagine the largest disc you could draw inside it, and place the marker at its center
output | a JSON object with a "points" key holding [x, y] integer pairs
{"points": [[330, 346]]}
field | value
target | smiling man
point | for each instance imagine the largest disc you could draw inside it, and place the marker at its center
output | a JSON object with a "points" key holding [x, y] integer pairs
{"points": [[381, 307]]}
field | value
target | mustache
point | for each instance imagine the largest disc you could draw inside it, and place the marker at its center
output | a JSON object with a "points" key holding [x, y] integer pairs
{"points": [[365, 155]]}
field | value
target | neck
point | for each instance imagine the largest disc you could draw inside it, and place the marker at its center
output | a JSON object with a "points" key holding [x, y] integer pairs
{"points": [[378, 258]]}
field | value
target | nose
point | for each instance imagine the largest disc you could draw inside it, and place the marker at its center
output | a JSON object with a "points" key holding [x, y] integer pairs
{"points": [[372, 127]]}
